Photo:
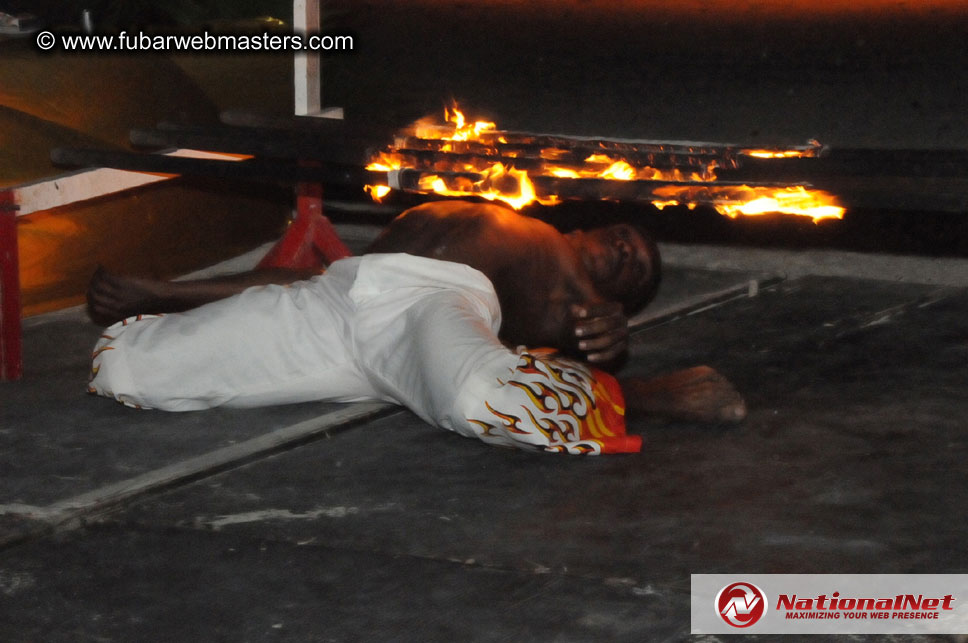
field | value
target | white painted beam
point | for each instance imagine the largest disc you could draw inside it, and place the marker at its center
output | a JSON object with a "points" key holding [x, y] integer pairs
{"points": [[307, 66], [82, 185]]}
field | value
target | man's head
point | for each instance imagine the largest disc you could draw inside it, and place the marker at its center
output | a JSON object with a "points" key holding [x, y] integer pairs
{"points": [[623, 263]]}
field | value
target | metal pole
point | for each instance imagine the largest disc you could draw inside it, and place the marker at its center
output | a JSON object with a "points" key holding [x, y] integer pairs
{"points": [[11, 343]]}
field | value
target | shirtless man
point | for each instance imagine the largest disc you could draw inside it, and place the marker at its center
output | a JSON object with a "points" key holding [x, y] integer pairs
{"points": [[571, 292]]}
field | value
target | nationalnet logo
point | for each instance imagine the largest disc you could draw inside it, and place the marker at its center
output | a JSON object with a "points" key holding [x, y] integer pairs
{"points": [[830, 603], [899, 606], [741, 604]]}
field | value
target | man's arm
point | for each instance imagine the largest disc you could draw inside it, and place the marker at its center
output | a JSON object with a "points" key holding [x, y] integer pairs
{"points": [[112, 297]]}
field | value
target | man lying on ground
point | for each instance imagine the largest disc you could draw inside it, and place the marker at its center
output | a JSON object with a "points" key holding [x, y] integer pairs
{"points": [[435, 316]]}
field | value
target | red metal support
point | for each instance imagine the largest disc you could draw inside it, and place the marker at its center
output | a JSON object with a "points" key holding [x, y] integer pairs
{"points": [[11, 347], [311, 240]]}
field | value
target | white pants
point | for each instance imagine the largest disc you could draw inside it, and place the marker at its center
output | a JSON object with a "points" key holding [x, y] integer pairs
{"points": [[394, 327]]}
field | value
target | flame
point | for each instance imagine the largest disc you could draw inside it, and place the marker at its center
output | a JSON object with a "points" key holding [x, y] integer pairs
{"points": [[456, 127], [385, 161], [813, 149], [795, 200], [377, 192], [753, 201], [498, 183], [460, 146], [776, 154], [382, 162], [662, 205], [462, 130], [620, 171], [565, 173]]}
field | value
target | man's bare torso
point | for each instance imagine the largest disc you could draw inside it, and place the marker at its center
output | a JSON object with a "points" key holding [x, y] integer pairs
{"points": [[536, 272]]}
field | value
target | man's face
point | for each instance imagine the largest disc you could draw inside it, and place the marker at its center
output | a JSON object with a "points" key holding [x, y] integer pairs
{"points": [[619, 261]]}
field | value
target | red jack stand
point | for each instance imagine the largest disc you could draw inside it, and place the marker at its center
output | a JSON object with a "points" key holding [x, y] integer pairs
{"points": [[311, 240]]}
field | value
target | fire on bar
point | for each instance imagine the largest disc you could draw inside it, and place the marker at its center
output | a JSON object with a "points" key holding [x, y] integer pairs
{"points": [[463, 158]]}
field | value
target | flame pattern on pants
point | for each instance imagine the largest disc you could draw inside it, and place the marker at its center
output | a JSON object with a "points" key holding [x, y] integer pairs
{"points": [[558, 405]]}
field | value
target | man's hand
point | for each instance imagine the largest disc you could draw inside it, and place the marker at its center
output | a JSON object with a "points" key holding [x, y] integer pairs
{"points": [[112, 297], [601, 332]]}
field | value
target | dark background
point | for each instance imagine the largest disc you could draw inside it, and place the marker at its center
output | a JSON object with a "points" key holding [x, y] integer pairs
{"points": [[868, 74]]}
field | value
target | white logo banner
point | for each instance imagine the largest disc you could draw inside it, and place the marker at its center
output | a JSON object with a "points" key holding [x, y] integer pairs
{"points": [[830, 603]]}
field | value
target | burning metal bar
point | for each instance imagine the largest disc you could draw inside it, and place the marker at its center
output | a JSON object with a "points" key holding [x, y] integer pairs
{"points": [[592, 189], [576, 159], [522, 167], [493, 137], [560, 150]]}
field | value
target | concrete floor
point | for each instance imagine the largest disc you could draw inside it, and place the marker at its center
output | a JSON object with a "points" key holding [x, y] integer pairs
{"points": [[292, 523], [318, 522]]}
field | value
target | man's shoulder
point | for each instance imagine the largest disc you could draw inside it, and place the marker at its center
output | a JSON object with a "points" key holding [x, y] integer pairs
{"points": [[393, 270]]}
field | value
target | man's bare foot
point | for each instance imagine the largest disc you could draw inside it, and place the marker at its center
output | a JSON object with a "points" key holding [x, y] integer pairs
{"points": [[698, 394], [111, 297]]}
